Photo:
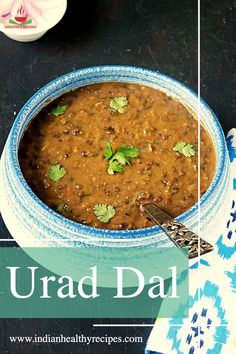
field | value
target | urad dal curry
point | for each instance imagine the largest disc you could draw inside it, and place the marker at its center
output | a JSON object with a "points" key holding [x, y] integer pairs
{"points": [[93, 152]]}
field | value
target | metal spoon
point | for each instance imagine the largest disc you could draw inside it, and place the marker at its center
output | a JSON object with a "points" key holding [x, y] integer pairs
{"points": [[177, 232]]}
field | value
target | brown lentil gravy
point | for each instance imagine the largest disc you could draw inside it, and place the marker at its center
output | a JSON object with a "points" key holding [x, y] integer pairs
{"points": [[76, 140]]}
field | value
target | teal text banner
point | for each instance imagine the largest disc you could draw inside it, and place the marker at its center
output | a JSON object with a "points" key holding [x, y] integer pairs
{"points": [[93, 282]]}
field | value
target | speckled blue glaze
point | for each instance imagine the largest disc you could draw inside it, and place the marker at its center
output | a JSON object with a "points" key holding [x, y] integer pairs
{"points": [[31, 222]]}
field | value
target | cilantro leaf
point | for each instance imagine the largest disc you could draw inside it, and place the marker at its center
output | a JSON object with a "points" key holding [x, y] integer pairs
{"points": [[117, 160], [117, 104], [185, 148], [108, 151], [56, 172], [121, 158], [129, 151], [114, 166], [58, 111], [62, 207], [104, 212]]}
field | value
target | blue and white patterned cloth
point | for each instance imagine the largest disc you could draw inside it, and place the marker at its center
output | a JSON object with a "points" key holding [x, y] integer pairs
{"points": [[211, 325]]}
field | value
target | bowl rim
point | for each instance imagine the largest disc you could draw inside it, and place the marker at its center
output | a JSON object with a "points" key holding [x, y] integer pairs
{"points": [[117, 234]]}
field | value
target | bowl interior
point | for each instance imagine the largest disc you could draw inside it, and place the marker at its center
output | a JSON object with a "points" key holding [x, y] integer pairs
{"points": [[127, 74]]}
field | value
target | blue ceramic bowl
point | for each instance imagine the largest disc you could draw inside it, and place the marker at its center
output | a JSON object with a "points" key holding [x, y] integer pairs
{"points": [[33, 223]]}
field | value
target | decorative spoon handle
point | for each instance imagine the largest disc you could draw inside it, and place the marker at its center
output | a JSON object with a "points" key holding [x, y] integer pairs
{"points": [[177, 232]]}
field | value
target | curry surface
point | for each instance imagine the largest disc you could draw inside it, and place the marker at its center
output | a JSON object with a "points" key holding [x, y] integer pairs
{"points": [[76, 140]]}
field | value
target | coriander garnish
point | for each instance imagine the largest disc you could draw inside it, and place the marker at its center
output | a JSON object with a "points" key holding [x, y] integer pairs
{"points": [[117, 160], [185, 148], [58, 111], [108, 151], [56, 172], [114, 166], [104, 212], [129, 151], [117, 104], [62, 207]]}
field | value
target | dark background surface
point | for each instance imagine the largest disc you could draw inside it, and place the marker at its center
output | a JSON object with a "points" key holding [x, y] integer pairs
{"points": [[157, 34]]}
